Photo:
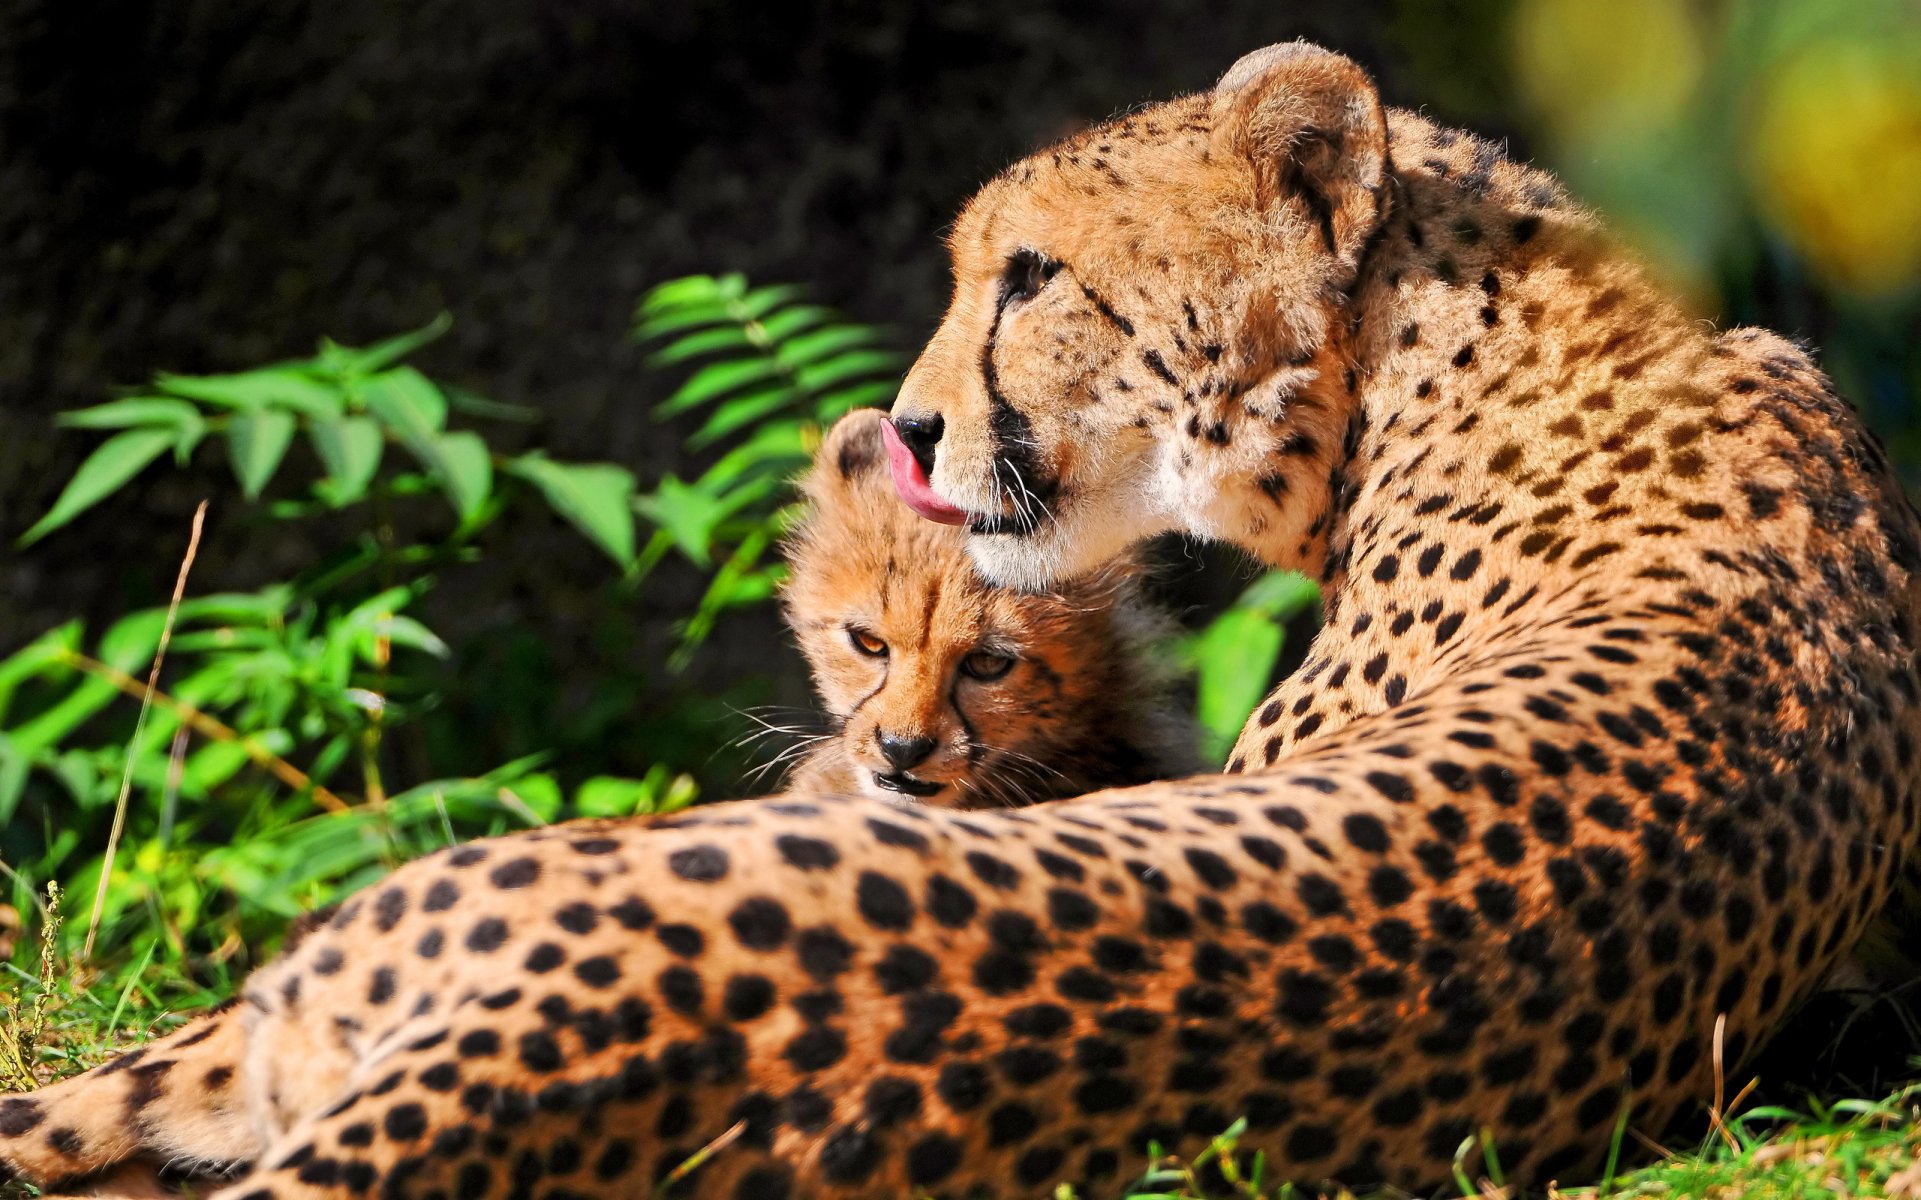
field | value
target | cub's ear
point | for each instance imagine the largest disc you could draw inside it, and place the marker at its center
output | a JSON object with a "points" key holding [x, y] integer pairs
{"points": [[851, 456], [1311, 123]]}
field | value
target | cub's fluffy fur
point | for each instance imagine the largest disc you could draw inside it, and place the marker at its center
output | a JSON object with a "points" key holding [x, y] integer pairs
{"points": [[946, 689]]}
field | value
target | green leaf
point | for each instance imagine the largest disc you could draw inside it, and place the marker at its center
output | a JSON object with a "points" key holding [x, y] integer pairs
{"points": [[670, 321], [791, 320], [539, 793], [755, 305], [79, 772], [1280, 594], [610, 796], [678, 294], [596, 497], [212, 765], [61, 718], [44, 653], [733, 584], [845, 368], [290, 386], [220, 642], [350, 450], [461, 465], [379, 616], [257, 441], [379, 605], [403, 630], [833, 405], [687, 515], [740, 411], [777, 445], [130, 643], [461, 400], [130, 412], [186, 436], [705, 341], [239, 608], [824, 343], [384, 354], [112, 464], [15, 766], [713, 381], [681, 792], [406, 402], [1234, 658]]}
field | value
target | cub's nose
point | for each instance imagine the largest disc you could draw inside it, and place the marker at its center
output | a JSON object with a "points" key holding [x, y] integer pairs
{"points": [[905, 753], [921, 435]]}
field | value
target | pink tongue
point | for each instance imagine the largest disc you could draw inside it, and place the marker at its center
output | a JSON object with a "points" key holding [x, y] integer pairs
{"points": [[911, 482]]}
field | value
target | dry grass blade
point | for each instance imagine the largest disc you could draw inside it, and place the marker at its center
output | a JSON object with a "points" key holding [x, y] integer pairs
{"points": [[139, 724], [700, 1157], [24, 1026], [1717, 1110]]}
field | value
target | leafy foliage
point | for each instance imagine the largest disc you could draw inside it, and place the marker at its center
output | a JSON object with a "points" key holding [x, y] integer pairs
{"points": [[352, 405], [259, 773], [768, 372], [1235, 655]]}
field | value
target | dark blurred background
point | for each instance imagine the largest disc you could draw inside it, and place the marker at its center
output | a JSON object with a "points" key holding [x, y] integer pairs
{"points": [[202, 186]]}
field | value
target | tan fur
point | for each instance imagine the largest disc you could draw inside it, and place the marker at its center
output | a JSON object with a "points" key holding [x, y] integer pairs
{"points": [[174, 1104], [1604, 758], [1085, 703]]}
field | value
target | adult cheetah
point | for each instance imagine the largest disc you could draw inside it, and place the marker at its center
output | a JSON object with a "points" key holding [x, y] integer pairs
{"points": [[1608, 739]]}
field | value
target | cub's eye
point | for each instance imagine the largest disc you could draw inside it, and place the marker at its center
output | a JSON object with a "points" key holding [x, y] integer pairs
{"points": [[867, 643], [1027, 273], [987, 666]]}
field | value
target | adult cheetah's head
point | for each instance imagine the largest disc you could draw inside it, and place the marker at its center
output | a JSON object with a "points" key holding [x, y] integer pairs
{"points": [[1140, 326]]}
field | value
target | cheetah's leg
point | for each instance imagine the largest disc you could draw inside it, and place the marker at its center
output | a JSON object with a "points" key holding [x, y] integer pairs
{"points": [[133, 1180], [174, 1102]]}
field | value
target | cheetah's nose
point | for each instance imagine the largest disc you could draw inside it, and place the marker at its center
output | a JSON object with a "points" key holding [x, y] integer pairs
{"points": [[921, 435], [905, 753]]}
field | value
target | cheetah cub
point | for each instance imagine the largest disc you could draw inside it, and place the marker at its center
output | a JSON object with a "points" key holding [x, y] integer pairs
{"points": [[945, 689]]}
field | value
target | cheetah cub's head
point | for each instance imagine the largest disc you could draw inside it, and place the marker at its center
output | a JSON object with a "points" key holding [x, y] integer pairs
{"points": [[1139, 336], [945, 689]]}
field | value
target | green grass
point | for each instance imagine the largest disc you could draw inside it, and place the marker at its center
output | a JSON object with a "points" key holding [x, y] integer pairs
{"points": [[1850, 1148], [50, 1029]]}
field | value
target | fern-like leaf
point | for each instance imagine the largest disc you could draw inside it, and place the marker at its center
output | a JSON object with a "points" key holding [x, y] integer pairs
{"points": [[768, 370]]}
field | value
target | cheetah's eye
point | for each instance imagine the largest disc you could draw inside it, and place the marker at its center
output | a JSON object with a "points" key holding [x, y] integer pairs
{"points": [[1027, 273], [986, 666], [867, 643]]}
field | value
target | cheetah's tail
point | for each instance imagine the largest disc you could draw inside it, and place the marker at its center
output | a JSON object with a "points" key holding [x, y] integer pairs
{"points": [[174, 1103]]}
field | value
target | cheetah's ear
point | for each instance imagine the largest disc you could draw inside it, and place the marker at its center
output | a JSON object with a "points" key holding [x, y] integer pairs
{"points": [[851, 457], [1311, 122]]}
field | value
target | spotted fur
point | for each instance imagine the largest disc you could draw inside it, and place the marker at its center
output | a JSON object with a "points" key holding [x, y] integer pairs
{"points": [[943, 689], [1608, 739]]}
